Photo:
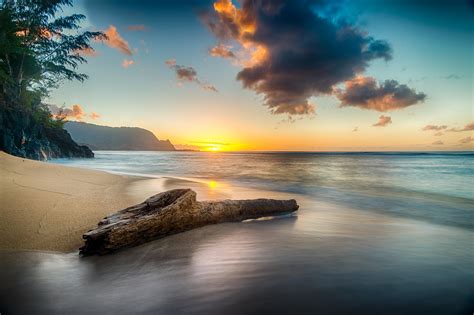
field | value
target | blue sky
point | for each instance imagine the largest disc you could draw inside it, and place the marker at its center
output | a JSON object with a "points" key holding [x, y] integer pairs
{"points": [[432, 54]]}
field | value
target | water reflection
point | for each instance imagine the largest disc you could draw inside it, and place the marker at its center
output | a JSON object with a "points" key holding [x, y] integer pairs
{"points": [[326, 259], [431, 187]]}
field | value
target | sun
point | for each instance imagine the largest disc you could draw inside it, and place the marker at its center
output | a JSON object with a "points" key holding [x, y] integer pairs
{"points": [[213, 149]]}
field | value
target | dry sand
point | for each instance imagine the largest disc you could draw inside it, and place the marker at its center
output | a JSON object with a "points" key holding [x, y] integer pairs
{"points": [[48, 207]]}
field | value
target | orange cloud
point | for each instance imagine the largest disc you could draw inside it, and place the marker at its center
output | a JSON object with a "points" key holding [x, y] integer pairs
{"points": [[239, 25], [127, 63], [42, 32], [114, 40], [90, 52], [94, 116], [76, 112], [383, 121], [467, 140], [222, 51]]}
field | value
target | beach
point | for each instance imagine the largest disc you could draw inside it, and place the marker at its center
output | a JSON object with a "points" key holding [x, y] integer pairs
{"points": [[48, 207], [338, 251]]}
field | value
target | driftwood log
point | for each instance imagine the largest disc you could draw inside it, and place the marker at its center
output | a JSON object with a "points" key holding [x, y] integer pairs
{"points": [[172, 212]]}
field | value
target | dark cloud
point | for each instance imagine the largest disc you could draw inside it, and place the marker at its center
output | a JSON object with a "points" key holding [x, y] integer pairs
{"points": [[438, 142], [188, 74], [383, 121], [468, 127], [434, 127], [295, 49], [364, 92], [355, 129]]}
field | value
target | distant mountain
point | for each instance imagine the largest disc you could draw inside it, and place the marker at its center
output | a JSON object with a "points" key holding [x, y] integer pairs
{"points": [[99, 137]]}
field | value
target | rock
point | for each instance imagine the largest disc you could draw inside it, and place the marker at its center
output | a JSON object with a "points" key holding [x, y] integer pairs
{"points": [[172, 212], [23, 134]]}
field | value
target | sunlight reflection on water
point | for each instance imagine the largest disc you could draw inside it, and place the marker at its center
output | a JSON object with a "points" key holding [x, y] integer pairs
{"points": [[371, 237]]}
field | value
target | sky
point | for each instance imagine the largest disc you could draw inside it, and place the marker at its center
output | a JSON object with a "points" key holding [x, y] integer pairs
{"points": [[301, 75]]}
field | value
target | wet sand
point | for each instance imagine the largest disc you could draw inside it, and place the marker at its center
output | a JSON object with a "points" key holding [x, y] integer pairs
{"points": [[325, 260]]}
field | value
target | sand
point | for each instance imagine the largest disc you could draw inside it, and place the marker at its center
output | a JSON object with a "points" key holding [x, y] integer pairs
{"points": [[45, 206], [48, 207]]}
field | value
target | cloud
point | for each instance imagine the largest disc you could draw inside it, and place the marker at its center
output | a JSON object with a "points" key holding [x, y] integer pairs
{"points": [[114, 40], [170, 62], [439, 133], [222, 51], [293, 50], [438, 142], [75, 112], [137, 28], [355, 129], [383, 121], [127, 63], [467, 140], [468, 127], [365, 93], [452, 77], [434, 127], [89, 52], [188, 74], [94, 116]]}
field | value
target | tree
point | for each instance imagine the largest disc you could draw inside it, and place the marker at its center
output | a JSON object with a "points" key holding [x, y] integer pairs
{"points": [[39, 48]]}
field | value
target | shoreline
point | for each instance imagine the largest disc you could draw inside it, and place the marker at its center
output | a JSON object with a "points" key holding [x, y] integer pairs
{"points": [[57, 205], [60, 203]]}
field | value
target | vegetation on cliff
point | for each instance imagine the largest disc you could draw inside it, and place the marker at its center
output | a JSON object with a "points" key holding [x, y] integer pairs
{"points": [[39, 48]]}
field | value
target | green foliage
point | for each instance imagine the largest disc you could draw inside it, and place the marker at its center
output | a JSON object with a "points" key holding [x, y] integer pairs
{"points": [[39, 48]]}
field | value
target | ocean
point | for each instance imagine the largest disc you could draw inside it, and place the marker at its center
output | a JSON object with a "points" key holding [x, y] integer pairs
{"points": [[429, 186], [376, 233]]}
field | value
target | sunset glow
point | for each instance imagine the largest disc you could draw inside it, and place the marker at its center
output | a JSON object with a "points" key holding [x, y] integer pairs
{"points": [[226, 80]]}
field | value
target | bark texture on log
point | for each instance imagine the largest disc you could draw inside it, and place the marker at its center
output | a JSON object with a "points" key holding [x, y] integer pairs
{"points": [[172, 212]]}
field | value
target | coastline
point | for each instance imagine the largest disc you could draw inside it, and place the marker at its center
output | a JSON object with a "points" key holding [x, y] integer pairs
{"points": [[339, 251], [58, 203]]}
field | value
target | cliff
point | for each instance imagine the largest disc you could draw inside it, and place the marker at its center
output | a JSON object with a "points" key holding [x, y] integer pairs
{"points": [[116, 138], [23, 134]]}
